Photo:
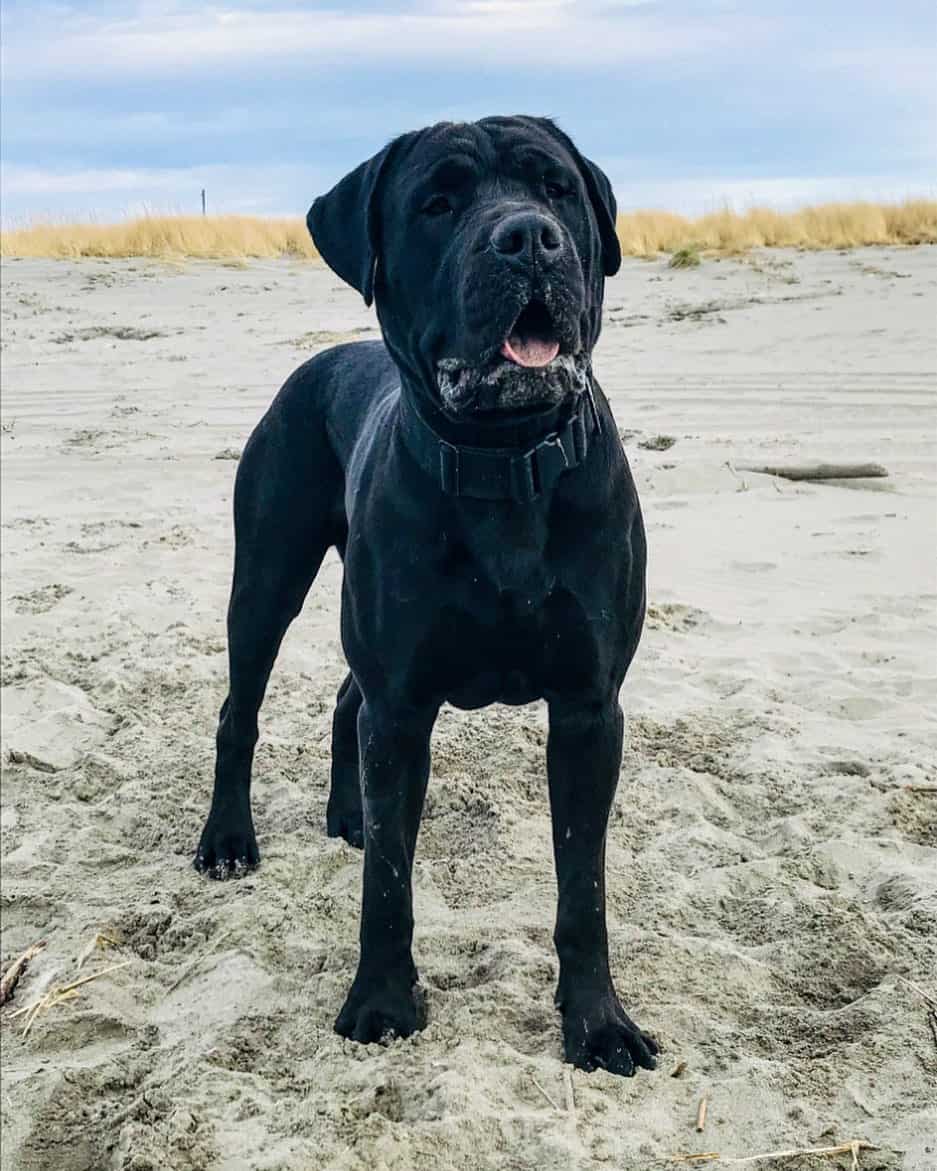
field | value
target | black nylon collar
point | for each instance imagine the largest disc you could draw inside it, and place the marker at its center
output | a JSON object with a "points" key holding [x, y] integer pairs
{"points": [[502, 473]]}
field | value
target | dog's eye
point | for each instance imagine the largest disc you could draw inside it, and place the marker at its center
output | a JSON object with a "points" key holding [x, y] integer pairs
{"points": [[555, 190], [438, 205]]}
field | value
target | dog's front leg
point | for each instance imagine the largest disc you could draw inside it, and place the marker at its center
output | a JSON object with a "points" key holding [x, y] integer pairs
{"points": [[583, 761], [394, 759]]}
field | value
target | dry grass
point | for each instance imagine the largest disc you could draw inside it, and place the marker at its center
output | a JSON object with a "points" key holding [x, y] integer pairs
{"points": [[828, 225], [164, 237], [642, 233]]}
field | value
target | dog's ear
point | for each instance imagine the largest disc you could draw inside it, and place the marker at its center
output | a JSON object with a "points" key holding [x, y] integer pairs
{"points": [[345, 223], [606, 211], [601, 197]]}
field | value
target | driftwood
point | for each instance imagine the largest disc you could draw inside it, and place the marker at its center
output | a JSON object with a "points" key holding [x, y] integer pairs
{"points": [[817, 471], [16, 969], [701, 1114]]}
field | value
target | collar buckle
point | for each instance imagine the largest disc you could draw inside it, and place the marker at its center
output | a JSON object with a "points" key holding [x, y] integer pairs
{"points": [[548, 460]]}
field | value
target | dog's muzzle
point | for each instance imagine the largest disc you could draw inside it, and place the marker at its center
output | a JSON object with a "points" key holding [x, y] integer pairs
{"points": [[503, 385]]}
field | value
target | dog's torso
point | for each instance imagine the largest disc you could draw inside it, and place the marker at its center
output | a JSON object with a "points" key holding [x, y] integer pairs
{"points": [[460, 600]]}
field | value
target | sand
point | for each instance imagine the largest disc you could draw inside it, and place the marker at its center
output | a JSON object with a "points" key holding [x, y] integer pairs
{"points": [[773, 850]]}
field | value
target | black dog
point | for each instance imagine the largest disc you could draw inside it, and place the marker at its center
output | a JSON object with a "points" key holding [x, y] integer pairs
{"points": [[470, 474]]}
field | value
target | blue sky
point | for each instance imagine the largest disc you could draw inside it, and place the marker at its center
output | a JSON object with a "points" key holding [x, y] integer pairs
{"points": [[109, 108]]}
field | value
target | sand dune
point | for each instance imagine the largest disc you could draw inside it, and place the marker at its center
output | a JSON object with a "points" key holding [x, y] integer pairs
{"points": [[773, 851]]}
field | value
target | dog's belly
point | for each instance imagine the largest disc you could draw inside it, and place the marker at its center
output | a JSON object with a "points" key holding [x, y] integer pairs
{"points": [[512, 687]]}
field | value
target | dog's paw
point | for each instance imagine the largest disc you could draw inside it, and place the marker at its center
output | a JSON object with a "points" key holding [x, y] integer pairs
{"points": [[227, 849], [380, 1013], [602, 1036], [347, 824]]}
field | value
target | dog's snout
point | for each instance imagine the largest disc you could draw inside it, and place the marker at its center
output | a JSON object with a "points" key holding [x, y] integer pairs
{"points": [[526, 239]]}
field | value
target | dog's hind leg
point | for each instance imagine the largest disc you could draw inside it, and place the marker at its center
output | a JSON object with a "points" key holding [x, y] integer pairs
{"points": [[285, 517], [343, 815]]}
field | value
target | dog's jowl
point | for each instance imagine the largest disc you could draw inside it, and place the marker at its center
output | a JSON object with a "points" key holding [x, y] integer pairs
{"points": [[469, 472]]}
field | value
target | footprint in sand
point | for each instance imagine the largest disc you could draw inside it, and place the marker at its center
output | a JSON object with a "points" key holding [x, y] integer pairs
{"points": [[75, 547], [87, 437], [673, 616], [40, 600], [328, 337], [93, 441], [176, 538], [50, 725], [752, 566], [123, 333]]}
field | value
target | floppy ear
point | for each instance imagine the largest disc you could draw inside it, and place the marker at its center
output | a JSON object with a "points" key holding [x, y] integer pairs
{"points": [[606, 211], [345, 223], [601, 197]]}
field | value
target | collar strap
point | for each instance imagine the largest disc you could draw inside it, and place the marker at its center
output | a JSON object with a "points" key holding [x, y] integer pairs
{"points": [[499, 473]]}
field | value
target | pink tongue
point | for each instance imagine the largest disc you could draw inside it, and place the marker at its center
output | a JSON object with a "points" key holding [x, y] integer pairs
{"points": [[532, 352]]}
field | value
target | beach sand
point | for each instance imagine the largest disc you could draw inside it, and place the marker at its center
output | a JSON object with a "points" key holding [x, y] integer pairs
{"points": [[772, 855]]}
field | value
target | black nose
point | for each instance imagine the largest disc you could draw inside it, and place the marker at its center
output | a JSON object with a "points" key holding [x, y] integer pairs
{"points": [[527, 238]]}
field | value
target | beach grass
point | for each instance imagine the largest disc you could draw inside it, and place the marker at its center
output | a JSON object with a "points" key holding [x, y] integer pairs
{"points": [[642, 233]]}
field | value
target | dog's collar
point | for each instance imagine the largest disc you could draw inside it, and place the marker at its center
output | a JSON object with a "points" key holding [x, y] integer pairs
{"points": [[502, 473]]}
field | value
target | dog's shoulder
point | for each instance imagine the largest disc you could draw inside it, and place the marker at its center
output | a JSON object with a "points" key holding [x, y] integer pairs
{"points": [[344, 376], [334, 392], [331, 369]]}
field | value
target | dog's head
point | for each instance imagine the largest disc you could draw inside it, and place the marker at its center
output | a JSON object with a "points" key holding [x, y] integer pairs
{"points": [[486, 246]]}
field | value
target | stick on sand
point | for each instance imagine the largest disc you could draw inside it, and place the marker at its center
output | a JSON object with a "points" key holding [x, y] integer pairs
{"points": [[817, 471], [570, 1096], [929, 1000], [16, 969], [851, 1148], [701, 1114], [545, 1094]]}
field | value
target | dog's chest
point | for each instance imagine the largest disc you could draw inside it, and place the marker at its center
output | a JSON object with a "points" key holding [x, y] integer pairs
{"points": [[501, 557], [509, 622]]}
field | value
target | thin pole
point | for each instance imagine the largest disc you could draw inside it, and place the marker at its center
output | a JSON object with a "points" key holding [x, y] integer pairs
{"points": [[203, 201]]}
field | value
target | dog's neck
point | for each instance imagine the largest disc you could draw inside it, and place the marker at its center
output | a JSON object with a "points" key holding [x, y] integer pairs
{"points": [[515, 430], [517, 459]]}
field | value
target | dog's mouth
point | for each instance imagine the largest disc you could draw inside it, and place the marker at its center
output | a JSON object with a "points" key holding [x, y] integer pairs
{"points": [[532, 341], [535, 363]]}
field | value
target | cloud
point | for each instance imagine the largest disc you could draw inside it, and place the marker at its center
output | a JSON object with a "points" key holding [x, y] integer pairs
{"points": [[698, 195], [160, 39], [32, 193], [35, 181], [111, 105]]}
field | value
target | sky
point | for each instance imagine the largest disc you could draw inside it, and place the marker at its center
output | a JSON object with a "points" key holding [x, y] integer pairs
{"points": [[113, 107]]}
